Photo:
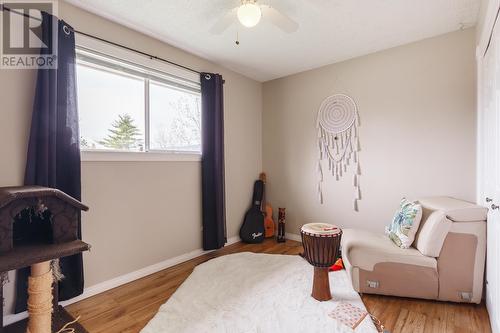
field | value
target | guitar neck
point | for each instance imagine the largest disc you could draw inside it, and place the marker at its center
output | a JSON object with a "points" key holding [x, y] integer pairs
{"points": [[263, 177], [263, 203]]}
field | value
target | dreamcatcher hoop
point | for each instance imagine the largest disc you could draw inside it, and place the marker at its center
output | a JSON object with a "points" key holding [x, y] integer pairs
{"points": [[337, 113], [338, 140]]}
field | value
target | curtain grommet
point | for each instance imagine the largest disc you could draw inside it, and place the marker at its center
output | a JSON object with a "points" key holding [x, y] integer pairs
{"points": [[208, 76], [66, 30]]}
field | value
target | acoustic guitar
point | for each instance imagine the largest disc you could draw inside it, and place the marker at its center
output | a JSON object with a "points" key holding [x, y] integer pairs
{"points": [[252, 229], [269, 226]]}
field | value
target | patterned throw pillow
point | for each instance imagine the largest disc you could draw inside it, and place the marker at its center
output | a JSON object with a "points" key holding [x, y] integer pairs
{"points": [[405, 223]]}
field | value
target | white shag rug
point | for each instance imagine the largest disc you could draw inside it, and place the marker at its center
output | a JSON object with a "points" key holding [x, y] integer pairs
{"points": [[249, 292]]}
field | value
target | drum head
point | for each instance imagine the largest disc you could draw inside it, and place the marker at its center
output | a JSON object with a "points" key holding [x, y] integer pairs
{"points": [[320, 229]]}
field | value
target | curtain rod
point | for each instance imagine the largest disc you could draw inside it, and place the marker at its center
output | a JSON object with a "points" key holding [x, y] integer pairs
{"points": [[153, 57]]}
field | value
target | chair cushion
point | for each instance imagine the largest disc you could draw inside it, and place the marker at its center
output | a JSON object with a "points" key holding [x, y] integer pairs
{"points": [[438, 215], [405, 223], [433, 230], [364, 249]]}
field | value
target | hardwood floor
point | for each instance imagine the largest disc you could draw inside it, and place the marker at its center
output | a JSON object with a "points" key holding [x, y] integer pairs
{"points": [[128, 308]]}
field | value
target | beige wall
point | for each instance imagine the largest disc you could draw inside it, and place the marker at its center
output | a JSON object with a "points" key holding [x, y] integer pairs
{"points": [[141, 212], [417, 109]]}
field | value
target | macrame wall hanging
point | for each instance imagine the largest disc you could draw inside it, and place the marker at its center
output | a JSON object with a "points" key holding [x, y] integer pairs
{"points": [[338, 141]]}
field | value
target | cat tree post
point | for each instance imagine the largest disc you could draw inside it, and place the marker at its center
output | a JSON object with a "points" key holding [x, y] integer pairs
{"points": [[40, 304]]}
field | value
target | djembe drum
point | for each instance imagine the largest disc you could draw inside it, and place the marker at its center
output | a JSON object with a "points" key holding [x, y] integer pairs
{"points": [[321, 243]]}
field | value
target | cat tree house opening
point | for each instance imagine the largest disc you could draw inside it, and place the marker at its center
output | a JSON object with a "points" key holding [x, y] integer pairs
{"points": [[37, 225]]}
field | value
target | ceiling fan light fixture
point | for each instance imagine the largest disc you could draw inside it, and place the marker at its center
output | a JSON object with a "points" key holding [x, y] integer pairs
{"points": [[249, 14]]}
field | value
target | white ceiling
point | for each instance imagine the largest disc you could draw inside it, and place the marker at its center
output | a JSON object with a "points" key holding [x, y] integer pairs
{"points": [[330, 30]]}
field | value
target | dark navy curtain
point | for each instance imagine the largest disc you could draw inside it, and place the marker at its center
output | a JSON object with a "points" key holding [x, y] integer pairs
{"points": [[54, 144], [213, 184]]}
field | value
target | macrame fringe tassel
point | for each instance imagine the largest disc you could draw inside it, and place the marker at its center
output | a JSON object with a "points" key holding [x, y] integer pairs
{"points": [[320, 193], [320, 181]]}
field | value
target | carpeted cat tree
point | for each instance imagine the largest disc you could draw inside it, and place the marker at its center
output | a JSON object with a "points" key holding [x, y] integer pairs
{"points": [[38, 226]]}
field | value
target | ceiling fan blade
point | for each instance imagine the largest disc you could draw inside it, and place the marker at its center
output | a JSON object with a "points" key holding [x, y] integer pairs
{"points": [[224, 22], [279, 19]]}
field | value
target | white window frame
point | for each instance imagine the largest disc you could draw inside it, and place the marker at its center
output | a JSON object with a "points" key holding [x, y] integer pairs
{"points": [[154, 70]]}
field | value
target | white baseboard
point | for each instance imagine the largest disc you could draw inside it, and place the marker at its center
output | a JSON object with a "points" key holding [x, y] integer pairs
{"points": [[123, 279], [294, 237], [14, 318]]}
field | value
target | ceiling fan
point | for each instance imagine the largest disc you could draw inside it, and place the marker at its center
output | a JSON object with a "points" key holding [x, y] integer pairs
{"points": [[249, 14]]}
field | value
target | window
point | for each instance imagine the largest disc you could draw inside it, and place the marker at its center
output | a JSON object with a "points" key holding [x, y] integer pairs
{"points": [[175, 118], [126, 107]]}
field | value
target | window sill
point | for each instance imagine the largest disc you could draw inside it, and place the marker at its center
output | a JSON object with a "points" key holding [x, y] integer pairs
{"points": [[111, 156]]}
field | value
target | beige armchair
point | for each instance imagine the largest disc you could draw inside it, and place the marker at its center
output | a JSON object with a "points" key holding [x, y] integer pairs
{"points": [[446, 261]]}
